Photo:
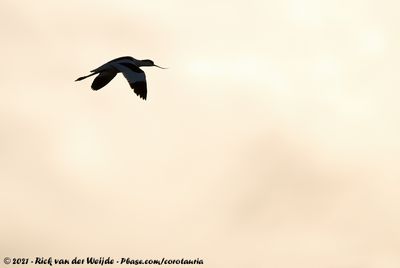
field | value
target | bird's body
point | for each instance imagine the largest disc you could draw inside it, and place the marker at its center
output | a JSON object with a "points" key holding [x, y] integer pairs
{"points": [[129, 67]]}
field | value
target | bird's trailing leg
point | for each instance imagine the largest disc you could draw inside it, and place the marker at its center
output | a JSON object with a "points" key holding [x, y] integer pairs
{"points": [[83, 77]]}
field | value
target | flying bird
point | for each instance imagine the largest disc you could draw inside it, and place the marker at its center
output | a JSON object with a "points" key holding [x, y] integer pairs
{"points": [[129, 67]]}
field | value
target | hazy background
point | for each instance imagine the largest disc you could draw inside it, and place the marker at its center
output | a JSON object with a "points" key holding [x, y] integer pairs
{"points": [[272, 140]]}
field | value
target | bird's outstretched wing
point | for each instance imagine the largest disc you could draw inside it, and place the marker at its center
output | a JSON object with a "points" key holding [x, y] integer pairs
{"points": [[107, 65], [135, 77], [103, 79]]}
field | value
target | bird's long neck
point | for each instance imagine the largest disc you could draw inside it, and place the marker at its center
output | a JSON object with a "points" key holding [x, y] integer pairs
{"points": [[138, 62]]}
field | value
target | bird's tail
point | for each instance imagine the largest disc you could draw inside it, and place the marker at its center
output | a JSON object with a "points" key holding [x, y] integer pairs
{"points": [[83, 77]]}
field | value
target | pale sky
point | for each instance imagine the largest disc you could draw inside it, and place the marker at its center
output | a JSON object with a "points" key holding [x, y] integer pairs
{"points": [[271, 140]]}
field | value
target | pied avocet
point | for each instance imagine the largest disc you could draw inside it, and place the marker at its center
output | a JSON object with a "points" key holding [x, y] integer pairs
{"points": [[129, 67]]}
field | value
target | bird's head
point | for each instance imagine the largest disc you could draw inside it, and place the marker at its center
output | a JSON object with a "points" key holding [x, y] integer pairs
{"points": [[150, 63]]}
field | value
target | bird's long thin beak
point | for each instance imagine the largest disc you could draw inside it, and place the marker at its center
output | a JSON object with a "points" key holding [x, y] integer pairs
{"points": [[160, 67]]}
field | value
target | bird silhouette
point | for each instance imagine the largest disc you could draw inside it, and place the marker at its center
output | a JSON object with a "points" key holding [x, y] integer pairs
{"points": [[129, 67]]}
